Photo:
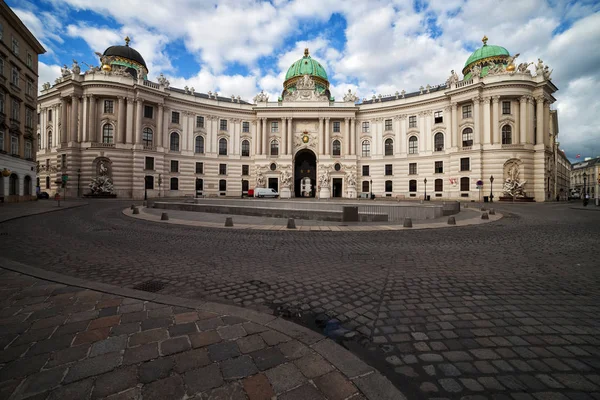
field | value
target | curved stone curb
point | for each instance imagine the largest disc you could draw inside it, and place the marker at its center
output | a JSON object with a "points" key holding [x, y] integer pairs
{"points": [[372, 384], [44, 211], [331, 228], [592, 208]]}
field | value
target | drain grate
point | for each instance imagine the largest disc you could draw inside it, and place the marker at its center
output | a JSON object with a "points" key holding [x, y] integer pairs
{"points": [[150, 286]]}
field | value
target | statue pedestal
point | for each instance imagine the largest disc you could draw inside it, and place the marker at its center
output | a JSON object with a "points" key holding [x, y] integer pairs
{"points": [[351, 193], [286, 193], [324, 193]]}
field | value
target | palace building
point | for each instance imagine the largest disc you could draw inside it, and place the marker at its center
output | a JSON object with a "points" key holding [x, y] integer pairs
{"points": [[111, 130]]}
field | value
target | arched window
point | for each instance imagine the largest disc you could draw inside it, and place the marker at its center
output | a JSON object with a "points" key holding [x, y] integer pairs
{"points": [[464, 184], [27, 186], [13, 187], [365, 186], [412, 185], [107, 133], [274, 148], [245, 148], [199, 148], [174, 145], [388, 186], [39, 137], [49, 139], [389, 147], [174, 184], [222, 185], [336, 148], [467, 137], [222, 147], [413, 145], [506, 134], [366, 148], [147, 137], [439, 185], [438, 141]]}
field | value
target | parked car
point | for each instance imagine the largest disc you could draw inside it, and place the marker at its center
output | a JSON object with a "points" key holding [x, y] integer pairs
{"points": [[43, 195], [265, 192]]}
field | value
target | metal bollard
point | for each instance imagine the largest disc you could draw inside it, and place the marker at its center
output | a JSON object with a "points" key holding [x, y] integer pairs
{"points": [[132, 206], [291, 224], [451, 221], [136, 210], [228, 221], [407, 223], [492, 211], [164, 217], [485, 216]]}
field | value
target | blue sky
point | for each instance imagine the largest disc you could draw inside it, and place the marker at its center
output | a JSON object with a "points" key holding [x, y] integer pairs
{"points": [[239, 47]]}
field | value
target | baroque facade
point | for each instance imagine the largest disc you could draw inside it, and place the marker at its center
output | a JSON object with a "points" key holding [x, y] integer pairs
{"points": [[19, 51], [113, 126]]}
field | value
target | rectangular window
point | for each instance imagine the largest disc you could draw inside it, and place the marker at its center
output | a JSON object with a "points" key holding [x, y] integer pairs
{"points": [[149, 163], [199, 122], [1, 102], [28, 117], [222, 169], [1, 66], [50, 115], [148, 112], [174, 166], [365, 170], [14, 144], [365, 127], [174, 117], [199, 168], [15, 76], [223, 124], [439, 185], [274, 127], [245, 170], [28, 148], [438, 117], [506, 107], [388, 169], [336, 126], [16, 110], [465, 164], [29, 60], [412, 168], [109, 106], [63, 161], [464, 184], [412, 121], [388, 124], [149, 180], [467, 111], [29, 87], [439, 167], [1, 140], [1, 30], [15, 46], [222, 186], [47, 182], [246, 126]]}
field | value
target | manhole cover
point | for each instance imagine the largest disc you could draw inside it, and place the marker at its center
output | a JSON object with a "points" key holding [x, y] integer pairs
{"points": [[150, 286]]}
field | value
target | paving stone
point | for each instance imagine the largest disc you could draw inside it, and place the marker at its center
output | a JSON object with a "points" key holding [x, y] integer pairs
{"points": [[272, 338], [110, 345], [471, 384], [203, 339], [209, 324], [125, 329], [490, 383], [257, 387], [238, 368], [293, 349], [129, 308], [140, 353], [284, 377], [192, 359], [313, 365], [186, 317], [231, 332], [50, 345], [576, 382], [155, 323], [154, 335], [375, 386], [156, 369], [252, 328], [172, 346], [345, 361], [93, 366], [138, 316], [430, 357], [77, 390], [304, 392], [511, 382], [23, 367], [200, 380], [41, 382], [74, 327], [129, 394], [251, 343], [182, 329], [223, 351], [231, 391], [335, 386], [115, 381], [450, 385], [449, 370], [104, 322], [68, 355], [268, 358], [168, 388], [428, 387]]}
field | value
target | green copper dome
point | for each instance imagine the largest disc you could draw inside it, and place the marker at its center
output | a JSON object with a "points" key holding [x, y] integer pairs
{"points": [[306, 66], [484, 54]]}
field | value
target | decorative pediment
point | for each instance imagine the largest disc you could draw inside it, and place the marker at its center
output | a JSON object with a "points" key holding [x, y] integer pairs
{"points": [[305, 90]]}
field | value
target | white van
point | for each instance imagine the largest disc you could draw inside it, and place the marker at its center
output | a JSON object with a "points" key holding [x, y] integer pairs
{"points": [[265, 192]]}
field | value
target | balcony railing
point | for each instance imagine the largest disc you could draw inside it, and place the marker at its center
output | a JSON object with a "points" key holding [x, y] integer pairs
{"points": [[151, 84], [150, 147], [105, 145], [467, 148], [513, 146]]}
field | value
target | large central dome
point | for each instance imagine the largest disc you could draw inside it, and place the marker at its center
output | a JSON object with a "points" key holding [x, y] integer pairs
{"points": [[307, 66], [126, 57]]}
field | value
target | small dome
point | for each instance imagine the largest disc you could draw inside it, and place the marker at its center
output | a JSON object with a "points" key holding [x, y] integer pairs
{"points": [[484, 54], [126, 52], [306, 66]]}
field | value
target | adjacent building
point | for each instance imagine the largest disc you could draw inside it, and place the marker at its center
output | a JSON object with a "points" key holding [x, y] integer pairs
{"points": [[493, 132], [19, 51], [563, 176], [585, 178]]}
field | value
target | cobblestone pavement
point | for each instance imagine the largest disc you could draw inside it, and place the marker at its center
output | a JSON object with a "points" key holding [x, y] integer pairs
{"points": [[64, 342], [508, 309]]}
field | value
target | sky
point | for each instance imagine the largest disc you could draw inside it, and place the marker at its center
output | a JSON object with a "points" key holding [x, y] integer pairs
{"points": [[240, 47]]}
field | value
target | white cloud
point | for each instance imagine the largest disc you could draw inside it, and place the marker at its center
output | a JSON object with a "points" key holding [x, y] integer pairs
{"points": [[47, 73]]}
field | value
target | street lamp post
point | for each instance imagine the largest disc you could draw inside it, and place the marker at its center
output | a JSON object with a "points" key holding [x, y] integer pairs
{"points": [[371, 189], [425, 183], [242, 195], [584, 189], [491, 189], [145, 189]]}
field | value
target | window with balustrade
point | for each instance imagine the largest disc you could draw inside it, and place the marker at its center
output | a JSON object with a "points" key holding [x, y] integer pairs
{"points": [[147, 137], [467, 137], [438, 142], [413, 145], [199, 145], [389, 147], [506, 134], [107, 134]]}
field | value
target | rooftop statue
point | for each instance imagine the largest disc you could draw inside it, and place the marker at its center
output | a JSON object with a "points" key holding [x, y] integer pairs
{"points": [[350, 97], [453, 79], [163, 81], [261, 97]]}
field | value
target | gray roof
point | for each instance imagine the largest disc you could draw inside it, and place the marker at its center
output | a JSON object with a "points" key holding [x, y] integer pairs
{"points": [[406, 95], [205, 96]]}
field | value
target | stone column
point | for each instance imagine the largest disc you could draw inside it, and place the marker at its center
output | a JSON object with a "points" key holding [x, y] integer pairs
{"points": [[422, 132], [523, 119], [265, 137], [93, 124], [496, 120], [546, 133], [327, 136], [159, 126], [258, 140], [283, 136], [476, 120], [64, 125], [487, 123], [129, 120], [321, 135], [84, 120], [137, 135], [165, 131], [290, 135], [353, 136], [120, 135], [74, 114], [454, 125], [346, 136], [428, 131], [539, 117], [402, 143], [530, 121]]}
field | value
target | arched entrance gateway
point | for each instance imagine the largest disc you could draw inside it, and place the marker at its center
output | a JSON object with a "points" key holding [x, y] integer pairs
{"points": [[305, 173]]}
